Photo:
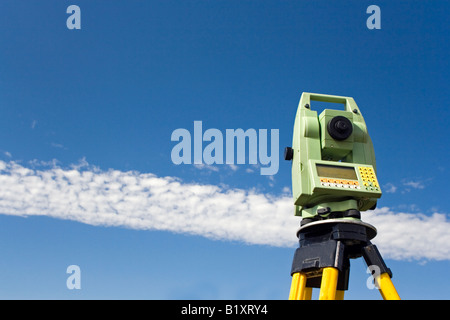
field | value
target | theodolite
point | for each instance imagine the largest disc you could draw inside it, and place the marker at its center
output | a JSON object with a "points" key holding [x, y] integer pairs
{"points": [[333, 161], [333, 180]]}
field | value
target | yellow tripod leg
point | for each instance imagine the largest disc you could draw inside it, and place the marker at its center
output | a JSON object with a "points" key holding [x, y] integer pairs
{"points": [[340, 294], [298, 287], [328, 284], [295, 286], [308, 294], [386, 287]]}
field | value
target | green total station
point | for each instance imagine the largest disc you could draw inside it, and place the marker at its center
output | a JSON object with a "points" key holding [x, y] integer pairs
{"points": [[333, 161]]}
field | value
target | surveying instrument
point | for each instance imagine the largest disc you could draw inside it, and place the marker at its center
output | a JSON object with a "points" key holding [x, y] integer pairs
{"points": [[333, 180]]}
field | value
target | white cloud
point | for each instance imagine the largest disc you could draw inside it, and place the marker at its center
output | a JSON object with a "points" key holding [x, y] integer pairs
{"points": [[57, 145], [414, 184], [145, 201], [207, 167], [390, 188], [410, 236], [286, 190]]}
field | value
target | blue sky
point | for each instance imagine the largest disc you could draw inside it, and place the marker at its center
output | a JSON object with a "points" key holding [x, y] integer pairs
{"points": [[80, 109]]}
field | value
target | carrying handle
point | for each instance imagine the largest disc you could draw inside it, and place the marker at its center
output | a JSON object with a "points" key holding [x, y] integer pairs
{"points": [[307, 97]]}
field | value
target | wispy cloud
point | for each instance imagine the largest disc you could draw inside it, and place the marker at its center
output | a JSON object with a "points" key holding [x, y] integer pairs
{"points": [[206, 167], [390, 188], [145, 201], [405, 187], [414, 184], [57, 145]]}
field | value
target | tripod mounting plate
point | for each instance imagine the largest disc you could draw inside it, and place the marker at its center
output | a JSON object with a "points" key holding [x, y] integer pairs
{"points": [[371, 231], [332, 243]]}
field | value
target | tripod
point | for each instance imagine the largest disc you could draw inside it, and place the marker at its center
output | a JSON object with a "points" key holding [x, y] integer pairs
{"points": [[323, 259]]}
